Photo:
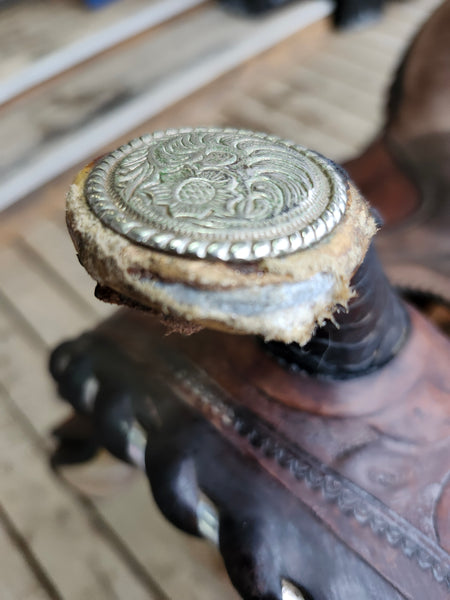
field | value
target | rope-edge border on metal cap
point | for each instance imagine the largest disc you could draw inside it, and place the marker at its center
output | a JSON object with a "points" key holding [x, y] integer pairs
{"points": [[99, 197]]}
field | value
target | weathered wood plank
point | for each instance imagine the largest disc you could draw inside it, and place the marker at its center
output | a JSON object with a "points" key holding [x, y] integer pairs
{"points": [[56, 36], [17, 580], [376, 58], [342, 93], [249, 111], [329, 64], [53, 246], [326, 116], [70, 548], [23, 374], [43, 27], [44, 305]]}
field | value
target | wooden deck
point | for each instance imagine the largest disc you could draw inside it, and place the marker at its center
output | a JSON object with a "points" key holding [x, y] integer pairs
{"points": [[53, 126], [93, 532]]}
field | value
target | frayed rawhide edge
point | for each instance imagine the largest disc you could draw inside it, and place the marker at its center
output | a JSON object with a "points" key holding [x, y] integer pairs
{"points": [[295, 285]]}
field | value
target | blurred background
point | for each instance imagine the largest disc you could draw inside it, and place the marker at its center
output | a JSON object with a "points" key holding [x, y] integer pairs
{"points": [[78, 79]]}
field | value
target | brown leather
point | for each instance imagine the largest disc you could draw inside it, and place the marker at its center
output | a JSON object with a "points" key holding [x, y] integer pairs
{"points": [[405, 172], [344, 486]]}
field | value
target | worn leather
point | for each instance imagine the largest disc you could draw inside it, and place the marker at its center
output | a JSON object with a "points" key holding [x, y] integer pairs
{"points": [[405, 172], [341, 487]]}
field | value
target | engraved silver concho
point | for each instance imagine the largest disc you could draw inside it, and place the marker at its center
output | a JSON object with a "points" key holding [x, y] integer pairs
{"points": [[225, 194]]}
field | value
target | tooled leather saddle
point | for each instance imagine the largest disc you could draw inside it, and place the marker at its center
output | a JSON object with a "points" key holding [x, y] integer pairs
{"points": [[321, 470]]}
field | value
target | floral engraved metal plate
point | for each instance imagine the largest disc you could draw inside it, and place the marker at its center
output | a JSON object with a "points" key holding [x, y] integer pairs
{"points": [[221, 194]]}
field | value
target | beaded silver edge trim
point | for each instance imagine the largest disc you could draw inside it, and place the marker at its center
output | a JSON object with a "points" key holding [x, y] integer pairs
{"points": [[98, 195]]}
